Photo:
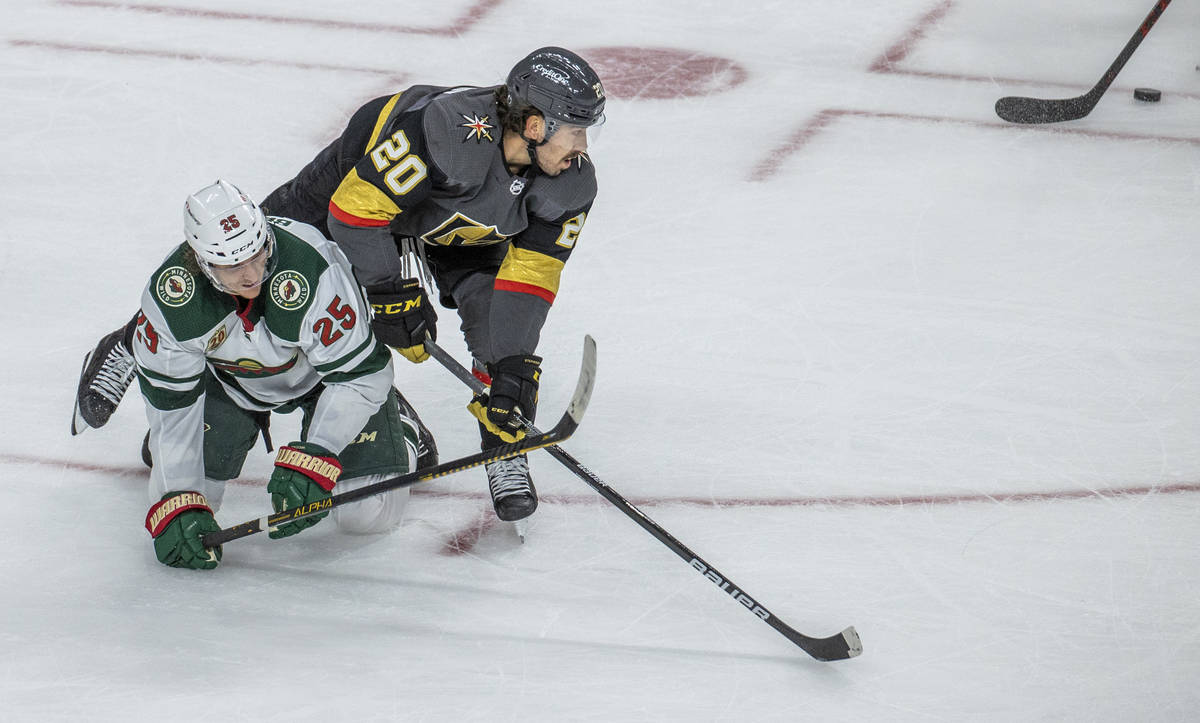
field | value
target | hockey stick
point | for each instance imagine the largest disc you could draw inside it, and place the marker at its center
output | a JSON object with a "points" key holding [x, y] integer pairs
{"points": [[536, 440], [845, 644], [1016, 109]]}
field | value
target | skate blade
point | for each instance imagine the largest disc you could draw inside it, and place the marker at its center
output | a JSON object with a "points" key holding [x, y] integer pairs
{"points": [[77, 424]]}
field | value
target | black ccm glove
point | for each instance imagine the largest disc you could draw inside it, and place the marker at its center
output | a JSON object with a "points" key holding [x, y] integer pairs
{"points": [[514, 390], [403, 316]]}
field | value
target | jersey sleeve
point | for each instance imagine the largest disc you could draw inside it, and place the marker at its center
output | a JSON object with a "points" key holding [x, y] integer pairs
{"points": [[394, 174], [171, 378], [529, 276], [355, 367]]}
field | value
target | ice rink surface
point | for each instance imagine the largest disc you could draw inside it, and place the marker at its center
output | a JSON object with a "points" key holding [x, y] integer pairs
{"points": [[883, 359]]}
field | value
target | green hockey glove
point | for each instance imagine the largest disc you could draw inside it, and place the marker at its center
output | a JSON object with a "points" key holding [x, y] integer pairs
{"points": [[177, 523], [403, 316], [514, 389], [304, 475]]}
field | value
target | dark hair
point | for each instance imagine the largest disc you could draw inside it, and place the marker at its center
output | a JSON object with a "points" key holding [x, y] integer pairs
{"points": [[190, 262], [513, 118]]}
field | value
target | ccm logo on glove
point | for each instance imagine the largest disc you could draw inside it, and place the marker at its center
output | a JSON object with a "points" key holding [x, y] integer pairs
{"points": [[403, 317], [400, 307]]}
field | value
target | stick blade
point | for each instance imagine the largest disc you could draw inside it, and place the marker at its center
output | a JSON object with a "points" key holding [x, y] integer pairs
{"points": [[842, 646], [587, 379], [852, 641], [1018, 109]]}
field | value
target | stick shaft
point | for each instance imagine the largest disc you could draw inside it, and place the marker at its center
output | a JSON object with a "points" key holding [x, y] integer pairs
{"points": [[532, 441], [845, 644], [1020, 109]]}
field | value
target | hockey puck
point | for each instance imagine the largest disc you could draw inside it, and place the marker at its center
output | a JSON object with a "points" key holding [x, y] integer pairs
{"points": [[1150, 95]]}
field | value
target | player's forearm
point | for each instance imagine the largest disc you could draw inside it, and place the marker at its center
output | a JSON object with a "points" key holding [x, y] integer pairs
{"points": [[516, 323], [177, 448], [371, 251]]}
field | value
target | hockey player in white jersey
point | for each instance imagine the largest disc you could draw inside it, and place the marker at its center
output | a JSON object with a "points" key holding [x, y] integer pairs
{"points": [[491, 187], [253, 315]]}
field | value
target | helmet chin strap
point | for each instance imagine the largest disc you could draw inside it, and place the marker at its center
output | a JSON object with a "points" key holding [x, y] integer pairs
{"points": [[531, 147]]}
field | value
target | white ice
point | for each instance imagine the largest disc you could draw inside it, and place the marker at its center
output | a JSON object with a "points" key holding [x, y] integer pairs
{"points": [[882, 359]]}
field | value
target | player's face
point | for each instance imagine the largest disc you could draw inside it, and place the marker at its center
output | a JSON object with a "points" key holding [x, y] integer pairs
{"points": [[566, 144], [244, 279]]}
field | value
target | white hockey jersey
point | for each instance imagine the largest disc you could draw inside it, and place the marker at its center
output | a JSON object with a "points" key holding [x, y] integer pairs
{"points": [[310, 325]]}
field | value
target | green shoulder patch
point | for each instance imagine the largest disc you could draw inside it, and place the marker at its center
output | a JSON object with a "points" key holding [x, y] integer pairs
{"points": [[189, 303], [291, 288], [175, 286]]}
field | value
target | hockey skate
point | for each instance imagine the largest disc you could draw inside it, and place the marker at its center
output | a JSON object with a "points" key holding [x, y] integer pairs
{"points": [[427, 452], [107, 372], [513, 493]]}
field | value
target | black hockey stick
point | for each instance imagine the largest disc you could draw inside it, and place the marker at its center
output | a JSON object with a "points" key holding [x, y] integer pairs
{"points": [[845, 644], [536, 440], [1016, 109]]}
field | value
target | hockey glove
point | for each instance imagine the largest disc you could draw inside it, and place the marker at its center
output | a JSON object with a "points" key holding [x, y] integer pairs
{"points": [[514, 389], [304, 476], [403, 317], [177, 523]]}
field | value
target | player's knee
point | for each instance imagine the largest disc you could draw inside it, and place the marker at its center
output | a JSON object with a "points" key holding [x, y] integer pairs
{"points": [[372, 515]]}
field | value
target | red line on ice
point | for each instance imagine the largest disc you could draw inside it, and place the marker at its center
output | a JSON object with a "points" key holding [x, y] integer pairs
{"points": [[769, 165], [464, 22], [463, 540], [720, 502], [888, 63], [175, 55], [902, 47]]}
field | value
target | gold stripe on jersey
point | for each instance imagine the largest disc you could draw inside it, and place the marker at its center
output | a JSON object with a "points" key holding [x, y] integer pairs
{"points": [[359, 203], [383, 117], [530, 272]]}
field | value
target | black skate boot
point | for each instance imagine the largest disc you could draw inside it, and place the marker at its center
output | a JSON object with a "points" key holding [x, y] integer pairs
{"points": [[513, 493], [107, 372], [427, 453], [147, 458]]}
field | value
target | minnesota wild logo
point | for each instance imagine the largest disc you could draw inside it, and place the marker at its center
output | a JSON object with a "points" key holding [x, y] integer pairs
{"points": [[175, 286], [289, 290], [251, 368]]}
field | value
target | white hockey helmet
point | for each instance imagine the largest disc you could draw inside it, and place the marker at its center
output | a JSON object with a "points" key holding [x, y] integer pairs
{"points": [[225, 228]]}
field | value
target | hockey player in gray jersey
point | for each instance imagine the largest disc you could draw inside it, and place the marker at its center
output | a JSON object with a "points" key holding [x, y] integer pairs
{"points": [[252, 315], [491, 187]]}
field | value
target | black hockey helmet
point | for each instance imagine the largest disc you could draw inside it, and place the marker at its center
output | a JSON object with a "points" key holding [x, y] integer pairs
{"points": [[560, 84]]}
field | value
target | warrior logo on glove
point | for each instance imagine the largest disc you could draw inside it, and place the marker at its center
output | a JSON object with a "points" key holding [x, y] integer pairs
{"points": [[304, 476], [178, 523]]}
